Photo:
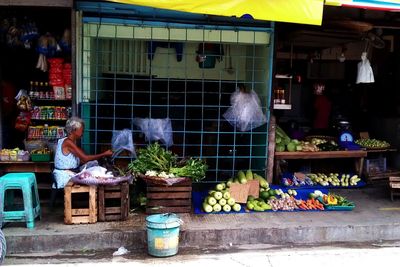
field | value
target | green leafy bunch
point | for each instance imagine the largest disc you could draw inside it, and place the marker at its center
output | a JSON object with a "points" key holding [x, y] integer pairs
{"points": [[153, 157], [193, 168]]}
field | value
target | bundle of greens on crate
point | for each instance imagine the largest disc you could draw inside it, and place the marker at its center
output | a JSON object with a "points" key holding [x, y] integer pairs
{"points": [[162, 166]]}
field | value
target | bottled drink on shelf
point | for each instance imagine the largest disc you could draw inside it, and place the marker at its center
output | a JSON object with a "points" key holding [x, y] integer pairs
{"points": [[36, 90], [41, 90], [47, 90], [31, 92], [46, 131]]}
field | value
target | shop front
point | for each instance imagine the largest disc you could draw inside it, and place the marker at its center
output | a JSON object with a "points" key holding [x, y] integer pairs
{"points": [[210, 100]]}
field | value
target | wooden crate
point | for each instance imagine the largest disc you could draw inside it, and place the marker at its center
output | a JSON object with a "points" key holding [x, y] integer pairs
{"points": [[394, 184], [176, 198], [81, 215], [113, 212]]}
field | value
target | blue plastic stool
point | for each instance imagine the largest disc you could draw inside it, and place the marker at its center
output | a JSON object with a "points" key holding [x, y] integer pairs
{"points": [[26, 182]]}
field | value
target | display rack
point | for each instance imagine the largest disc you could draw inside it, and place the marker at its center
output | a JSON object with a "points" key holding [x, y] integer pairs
{"points": [[358, 155]]}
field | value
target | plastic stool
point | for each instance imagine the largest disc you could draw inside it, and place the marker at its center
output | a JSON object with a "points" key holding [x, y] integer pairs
{"points": [[26, 182]]}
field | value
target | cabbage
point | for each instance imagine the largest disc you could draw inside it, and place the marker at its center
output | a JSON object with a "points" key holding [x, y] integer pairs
{"points": [[291, 147], [280, 147]]}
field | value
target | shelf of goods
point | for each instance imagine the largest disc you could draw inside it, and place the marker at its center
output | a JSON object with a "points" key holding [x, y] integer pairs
{"points": [[358, 155], [282, 92], [48, 118]]}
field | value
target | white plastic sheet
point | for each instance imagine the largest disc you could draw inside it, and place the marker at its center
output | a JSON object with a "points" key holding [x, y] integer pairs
{"points": [[364, 70]]}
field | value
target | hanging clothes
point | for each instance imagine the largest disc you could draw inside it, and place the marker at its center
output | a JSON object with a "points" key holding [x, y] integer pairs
{"points": [[364, 71]]}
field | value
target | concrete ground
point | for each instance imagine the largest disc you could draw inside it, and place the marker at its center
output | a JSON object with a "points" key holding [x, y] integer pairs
{"points": [[375, 219], [249, 256]]}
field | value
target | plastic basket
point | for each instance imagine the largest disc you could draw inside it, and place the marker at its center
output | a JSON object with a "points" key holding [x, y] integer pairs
{"points": [[34, 144], [328, 207], [40, 157], [373, 166]]}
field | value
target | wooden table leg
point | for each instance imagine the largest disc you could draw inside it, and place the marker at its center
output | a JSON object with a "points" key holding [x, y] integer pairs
{"points": [[277, 171], [359, 164]]}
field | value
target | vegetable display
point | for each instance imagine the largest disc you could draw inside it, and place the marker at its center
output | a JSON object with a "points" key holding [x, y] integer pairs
{"points": [[220, 200], [155, 161], [372, 143], [311, 179]]}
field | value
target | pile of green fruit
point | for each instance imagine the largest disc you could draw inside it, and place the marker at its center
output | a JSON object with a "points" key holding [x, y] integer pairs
{"points": [[220, 200], [334, 179], [242, 177], [284, 143], [372, 143], [270, 199]]}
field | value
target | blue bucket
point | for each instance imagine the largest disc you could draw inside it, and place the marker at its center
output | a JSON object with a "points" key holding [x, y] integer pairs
{"points": [[163, 234]]}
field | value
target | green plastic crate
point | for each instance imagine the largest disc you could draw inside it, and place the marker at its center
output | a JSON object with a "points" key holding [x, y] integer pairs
{"points": [[40, 157]]}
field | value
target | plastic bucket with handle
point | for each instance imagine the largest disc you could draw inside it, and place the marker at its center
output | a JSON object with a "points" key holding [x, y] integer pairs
{"points": [[163, 234]]}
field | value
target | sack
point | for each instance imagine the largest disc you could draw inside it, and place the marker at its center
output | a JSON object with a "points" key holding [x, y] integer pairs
{"points": [[245, 112], [156, 129], [122, 140]]}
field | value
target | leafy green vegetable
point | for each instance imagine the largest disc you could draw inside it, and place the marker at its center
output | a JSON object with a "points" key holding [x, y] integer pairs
{"points": [[153, 157], [194, 169], [156, 158]]}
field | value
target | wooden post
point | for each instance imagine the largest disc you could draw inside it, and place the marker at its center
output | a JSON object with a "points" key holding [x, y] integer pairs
{"points": [[67, 204], [102, 204], [271, 149], [92, 204]]}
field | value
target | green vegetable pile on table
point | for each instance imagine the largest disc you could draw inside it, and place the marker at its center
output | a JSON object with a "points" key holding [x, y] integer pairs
{"points": [[156, 158]]}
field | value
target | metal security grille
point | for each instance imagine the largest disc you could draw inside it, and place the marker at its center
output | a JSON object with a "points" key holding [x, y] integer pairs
{"points": [[184, 74]]}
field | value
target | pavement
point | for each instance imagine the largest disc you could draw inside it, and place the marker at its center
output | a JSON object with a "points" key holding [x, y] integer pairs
{"points": [[264, 256], [375, 219]]}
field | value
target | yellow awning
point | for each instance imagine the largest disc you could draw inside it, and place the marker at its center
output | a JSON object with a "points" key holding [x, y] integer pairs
{"points": [[295, 11], [389, 5]]}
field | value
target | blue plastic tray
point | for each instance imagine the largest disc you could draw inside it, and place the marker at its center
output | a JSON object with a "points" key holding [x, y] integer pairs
{"points": [[339, 208], [302, 193]]}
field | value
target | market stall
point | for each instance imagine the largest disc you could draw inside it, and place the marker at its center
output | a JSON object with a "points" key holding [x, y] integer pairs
{"points": [[36, 85]]}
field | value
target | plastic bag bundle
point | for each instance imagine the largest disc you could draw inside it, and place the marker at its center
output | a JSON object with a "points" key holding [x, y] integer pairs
{"points": [[245, 112], [122, 140], [98, 175], [156, 129]]}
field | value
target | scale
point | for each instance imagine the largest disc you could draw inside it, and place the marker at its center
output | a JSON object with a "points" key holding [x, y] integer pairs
{"points": [[346, 141]]}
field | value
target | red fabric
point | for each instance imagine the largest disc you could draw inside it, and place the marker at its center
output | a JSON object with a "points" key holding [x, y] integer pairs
{"points": [[8, 93], [323, 108]]}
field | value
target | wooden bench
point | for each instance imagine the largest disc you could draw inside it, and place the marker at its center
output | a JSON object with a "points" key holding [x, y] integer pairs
{"points": [[80, 215], [117, 194]]}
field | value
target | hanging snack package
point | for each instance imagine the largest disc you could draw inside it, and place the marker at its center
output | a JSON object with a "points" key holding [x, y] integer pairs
{"points": [[156, 129], [22, 122], [23, 101], [122, 140], [245, 112]]}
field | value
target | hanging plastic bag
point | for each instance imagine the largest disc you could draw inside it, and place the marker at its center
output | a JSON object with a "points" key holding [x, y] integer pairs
{"points": [[364, 70], [245, 112], [156, 129], [122, 140]]}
